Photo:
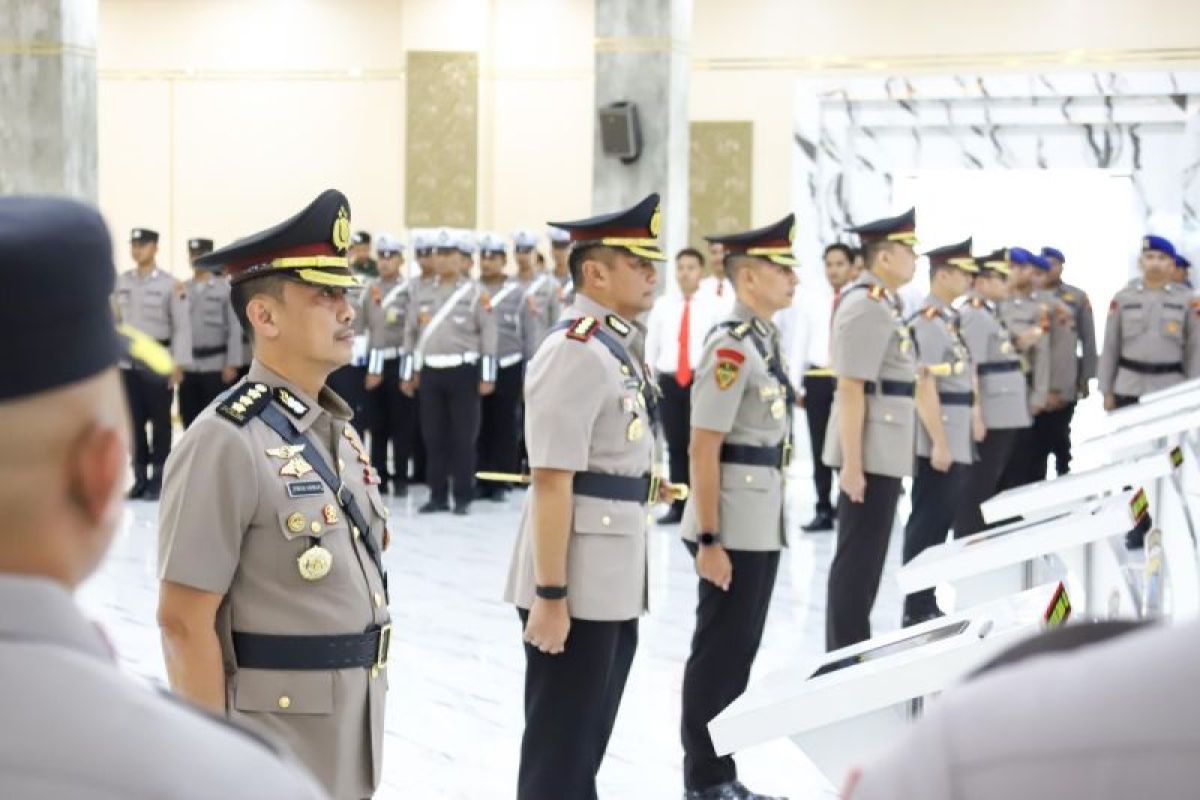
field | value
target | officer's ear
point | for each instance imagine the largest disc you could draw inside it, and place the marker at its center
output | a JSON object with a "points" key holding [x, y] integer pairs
{"points": [[96, 472]]}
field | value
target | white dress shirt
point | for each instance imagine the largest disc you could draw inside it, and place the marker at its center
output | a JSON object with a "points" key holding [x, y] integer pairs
{"points": [[662, 329], [720, 292]]}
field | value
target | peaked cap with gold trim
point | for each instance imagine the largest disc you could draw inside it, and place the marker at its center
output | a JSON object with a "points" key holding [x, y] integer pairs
{"points": [[955, 255], [893, 229], [772, 242], [634, 229], [997, 261], [309, 247]]}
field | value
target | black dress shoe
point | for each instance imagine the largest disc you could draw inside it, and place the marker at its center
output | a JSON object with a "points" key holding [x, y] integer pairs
{"points": [[137, 491], [433, 506], [462, 509], [823, 521], [400, 489], [499, 494], [746, 794], [732, 790], [153, 490]]}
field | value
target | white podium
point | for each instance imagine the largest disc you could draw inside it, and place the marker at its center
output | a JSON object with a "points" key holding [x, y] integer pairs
{"points": [[1073, 546], [844, 707]]}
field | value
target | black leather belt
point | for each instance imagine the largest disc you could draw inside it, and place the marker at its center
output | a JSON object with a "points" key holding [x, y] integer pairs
{"points": [[956, 398], [205, 352], [617, 487], [893, 388], [992, 367], [337, 651], [752, 455], [1147, 368]]}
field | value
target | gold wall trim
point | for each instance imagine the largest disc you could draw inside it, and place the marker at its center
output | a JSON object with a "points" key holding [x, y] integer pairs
{"points": [[41, 49], [639, 44], [720, 178], [441, 180], [1064, 58], [209, 75]]}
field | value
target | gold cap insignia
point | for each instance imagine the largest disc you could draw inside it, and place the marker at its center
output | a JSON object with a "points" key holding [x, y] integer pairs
{"points": [[341, 230], [656, 221]]}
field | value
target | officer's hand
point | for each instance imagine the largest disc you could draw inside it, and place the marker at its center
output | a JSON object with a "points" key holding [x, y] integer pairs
{"points": [[372, 382], [978, 428], [799, 401], [229, 375], [1084, 390], [1054, 402], [486, 388], [939, 458], [854, 484], [176, 378], [409, 388], [387, 538], [548, 625], [714, 566], [1110, 401], [1029, 338], [664, 492]]}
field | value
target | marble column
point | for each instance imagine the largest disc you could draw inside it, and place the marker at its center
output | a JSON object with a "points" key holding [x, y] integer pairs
{"points": [[642, 57], [48, 97]]}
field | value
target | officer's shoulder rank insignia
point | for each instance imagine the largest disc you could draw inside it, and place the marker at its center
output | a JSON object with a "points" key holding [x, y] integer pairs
{"points": [[244, 403], [583, 329], [739, 332], [289, 401], [976, 302], [729, 362], [876, 292], [617, 324], [931, 312]]}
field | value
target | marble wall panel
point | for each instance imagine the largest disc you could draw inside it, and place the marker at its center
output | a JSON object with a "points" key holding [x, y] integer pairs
{"points": [[442, 139]]}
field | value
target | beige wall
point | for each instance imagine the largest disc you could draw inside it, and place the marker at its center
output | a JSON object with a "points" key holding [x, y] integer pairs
{"points": [[218, 117]]}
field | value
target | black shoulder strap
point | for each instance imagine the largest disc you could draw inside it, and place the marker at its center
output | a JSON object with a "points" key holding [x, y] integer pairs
{"points": [[648, 391], [278, 422]]}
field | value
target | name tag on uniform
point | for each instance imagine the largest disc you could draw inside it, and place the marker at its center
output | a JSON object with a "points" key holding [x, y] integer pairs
{"points": [[305, 488]]}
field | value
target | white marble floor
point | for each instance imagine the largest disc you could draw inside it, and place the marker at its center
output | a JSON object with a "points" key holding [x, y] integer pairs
{"points": [[454, 708]]}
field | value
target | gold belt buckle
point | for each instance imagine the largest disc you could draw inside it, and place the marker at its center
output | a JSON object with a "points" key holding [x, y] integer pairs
{"points": [[655, 483], [385, 646]]}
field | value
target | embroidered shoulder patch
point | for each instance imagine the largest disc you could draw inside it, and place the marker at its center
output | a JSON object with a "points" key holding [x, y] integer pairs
{"points": [[244, 403], [617, 324], [726, 374], [726, 354], [583, 330], [291, 403]]}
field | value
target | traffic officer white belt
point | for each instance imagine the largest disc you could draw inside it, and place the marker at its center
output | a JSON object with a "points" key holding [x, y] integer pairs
{"points": [[449, 362], [388, 353], [508, 361]]}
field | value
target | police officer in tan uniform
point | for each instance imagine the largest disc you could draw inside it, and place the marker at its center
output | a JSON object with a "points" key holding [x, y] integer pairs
{"points": [[391, 415], [733, 524], [500, 411], [273, 602], [1083, 326], [871, 434], [74, 725], [951, 423], [560, 250], [539, 287], [578, 573], [1030, 323], [450, 344], [1152, 337], [216, 338], [152, 302], [1003, 392], [1052, 427]]}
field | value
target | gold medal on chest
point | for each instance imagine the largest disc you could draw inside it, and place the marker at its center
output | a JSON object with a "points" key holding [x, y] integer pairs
{"points": [[636, 430], [296, 522], [1005, 347], [314, 563], [778, 408]]}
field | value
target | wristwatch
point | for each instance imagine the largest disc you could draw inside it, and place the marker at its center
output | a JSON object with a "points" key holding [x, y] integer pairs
{"points": [[552, 592], [709, 539]]}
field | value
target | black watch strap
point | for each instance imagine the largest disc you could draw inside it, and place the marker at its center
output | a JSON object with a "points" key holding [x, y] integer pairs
{"points": [[552, 592], [708, 539]]}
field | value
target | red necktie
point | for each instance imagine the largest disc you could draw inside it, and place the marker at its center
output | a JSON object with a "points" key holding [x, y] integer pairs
{"points": [[683, 372]]}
